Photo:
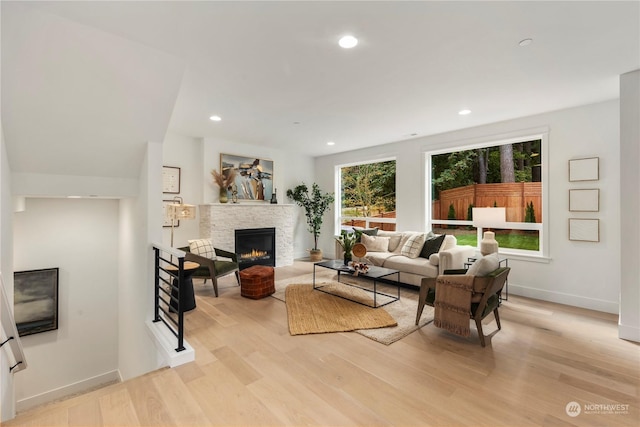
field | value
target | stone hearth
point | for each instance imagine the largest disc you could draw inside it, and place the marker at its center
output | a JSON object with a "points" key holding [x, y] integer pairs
{"points": [[219, 221]]}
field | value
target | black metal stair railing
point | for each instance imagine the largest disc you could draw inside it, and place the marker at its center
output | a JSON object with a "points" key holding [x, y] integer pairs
{"points": [[169, 308], [9, 334]]}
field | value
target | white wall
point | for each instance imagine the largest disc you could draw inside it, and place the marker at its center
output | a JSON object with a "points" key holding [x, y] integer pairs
{"points": [[140, 225], [48, 185], [186, 153], [578, 273], [630, 205], [80, 237], [7, 391], [198, 157]]}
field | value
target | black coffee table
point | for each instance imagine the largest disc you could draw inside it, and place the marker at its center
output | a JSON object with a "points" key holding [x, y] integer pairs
{"points": [[375, 274]]}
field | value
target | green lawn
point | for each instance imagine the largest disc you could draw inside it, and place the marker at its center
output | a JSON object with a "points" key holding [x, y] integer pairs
{"points": [[514, 241]]}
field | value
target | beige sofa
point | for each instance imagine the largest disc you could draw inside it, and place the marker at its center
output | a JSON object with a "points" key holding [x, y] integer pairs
{"points": [[451, 256]]}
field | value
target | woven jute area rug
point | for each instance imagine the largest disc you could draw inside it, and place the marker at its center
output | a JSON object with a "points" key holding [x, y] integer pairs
{"points": [[312, 312], [402, 311]]}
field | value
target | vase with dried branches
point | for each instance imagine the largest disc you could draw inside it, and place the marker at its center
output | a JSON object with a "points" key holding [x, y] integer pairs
{"points": [[224, 180]]}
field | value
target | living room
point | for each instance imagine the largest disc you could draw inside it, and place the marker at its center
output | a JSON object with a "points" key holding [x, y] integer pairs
{"points": [[109, 330]]}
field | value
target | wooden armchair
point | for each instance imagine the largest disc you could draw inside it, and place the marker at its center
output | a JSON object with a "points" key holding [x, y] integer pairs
{"points": [[485, 297], [214, 269]]}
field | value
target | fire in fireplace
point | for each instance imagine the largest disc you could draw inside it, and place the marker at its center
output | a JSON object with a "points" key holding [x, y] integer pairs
{"points": [[256, 246]]}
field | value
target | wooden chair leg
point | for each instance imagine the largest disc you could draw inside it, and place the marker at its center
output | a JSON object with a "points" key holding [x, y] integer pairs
{"points": [[238, 277], [480, 333], [497, 316], [422, 298], [215, 285]]}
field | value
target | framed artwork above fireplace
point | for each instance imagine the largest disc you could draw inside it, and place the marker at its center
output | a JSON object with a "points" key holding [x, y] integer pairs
{"points": [[254, 176]]}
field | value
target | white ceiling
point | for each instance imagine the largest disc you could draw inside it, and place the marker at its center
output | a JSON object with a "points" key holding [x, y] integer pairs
{"points": [[86, 84]]}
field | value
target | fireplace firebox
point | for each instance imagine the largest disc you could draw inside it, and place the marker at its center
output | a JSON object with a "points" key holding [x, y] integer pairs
{"points": [[256, 246]]}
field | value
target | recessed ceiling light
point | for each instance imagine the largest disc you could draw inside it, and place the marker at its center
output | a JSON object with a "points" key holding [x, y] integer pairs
{"points": [[525, 42], [331, 143], [348, 42], [464, 112], [74, 197], [215, 118]]}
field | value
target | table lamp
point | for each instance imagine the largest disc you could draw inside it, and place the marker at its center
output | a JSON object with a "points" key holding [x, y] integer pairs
{"points": [[489, 218]]}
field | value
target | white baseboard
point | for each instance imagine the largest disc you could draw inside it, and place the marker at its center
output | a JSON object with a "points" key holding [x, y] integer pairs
{"points": [[68, 390], [630, 333], [567, 299], [166, 344]]}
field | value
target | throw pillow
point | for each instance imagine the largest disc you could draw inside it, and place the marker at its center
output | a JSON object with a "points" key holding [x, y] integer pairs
{"points": [[450, 242], [413, 246], [202, 247], [484, 265], [432, 246], [394, 241], [375, 243], [368, 231]]}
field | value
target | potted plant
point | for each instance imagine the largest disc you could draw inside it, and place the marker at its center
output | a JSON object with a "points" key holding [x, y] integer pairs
{"points": [[347, 240], [224, 180], [315, 205]]}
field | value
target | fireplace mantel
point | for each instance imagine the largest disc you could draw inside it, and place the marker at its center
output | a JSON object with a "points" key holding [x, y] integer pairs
{"points": [[218, 221]]}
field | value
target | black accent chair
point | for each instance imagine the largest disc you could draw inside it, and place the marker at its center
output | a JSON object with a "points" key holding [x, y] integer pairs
{"points": [[210, 269], [485, 298]]}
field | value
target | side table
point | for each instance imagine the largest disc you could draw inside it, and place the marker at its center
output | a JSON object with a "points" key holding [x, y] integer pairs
{"points": [[501, 261], [187, 296]]}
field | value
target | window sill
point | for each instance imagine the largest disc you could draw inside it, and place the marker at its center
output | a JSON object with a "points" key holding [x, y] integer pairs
{"points": [[528, 258]]}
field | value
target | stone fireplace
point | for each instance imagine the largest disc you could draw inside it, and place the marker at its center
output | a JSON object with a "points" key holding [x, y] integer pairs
{"points": [[219, 222], [256, 246]]}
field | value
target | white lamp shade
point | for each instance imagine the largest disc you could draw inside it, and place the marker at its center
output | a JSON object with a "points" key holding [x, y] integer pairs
{"points": [[489, 217], [182, 211]]}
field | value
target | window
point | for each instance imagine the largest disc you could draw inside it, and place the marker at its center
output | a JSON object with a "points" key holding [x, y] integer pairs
{"points": [[367, 195], [506, 174]]}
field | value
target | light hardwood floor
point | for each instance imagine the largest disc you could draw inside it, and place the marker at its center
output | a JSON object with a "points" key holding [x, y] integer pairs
{"points": [[249, 371]]}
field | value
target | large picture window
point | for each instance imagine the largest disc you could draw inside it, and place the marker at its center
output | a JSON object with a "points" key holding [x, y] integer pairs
{"points": [[505, 174], [367, 195]]}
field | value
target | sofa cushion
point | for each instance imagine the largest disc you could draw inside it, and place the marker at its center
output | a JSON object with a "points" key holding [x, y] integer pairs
{"points": [[202, 247], [377, 258], [484, 265], [432, 246], [419, 266], [368, 231], [375, 243], [403, 239], [394, 238], [449, 242], [413, 246]]}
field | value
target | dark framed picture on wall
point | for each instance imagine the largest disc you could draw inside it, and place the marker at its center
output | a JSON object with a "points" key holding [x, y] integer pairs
{"points": [[254, 176], [584, 200], [587, 169], [584, 229], [170, 180], [166, 216], [36, 300]]}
